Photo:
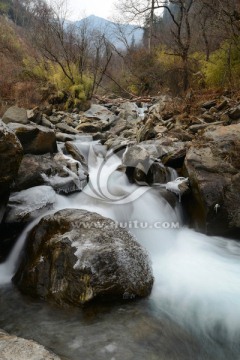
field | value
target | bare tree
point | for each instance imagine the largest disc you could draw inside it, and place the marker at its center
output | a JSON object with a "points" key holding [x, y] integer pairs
{"points": [[68, 45], [180, 27]]}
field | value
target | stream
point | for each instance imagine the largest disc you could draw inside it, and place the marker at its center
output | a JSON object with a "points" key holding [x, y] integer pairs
{"points": [[193, 311]]}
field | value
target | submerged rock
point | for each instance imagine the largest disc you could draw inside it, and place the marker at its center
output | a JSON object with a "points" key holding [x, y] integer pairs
{"points": [[11, 153], [13, 347], [75, 256]]}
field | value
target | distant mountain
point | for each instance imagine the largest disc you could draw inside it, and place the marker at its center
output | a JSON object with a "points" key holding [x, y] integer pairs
{"points": [[120, 35]]}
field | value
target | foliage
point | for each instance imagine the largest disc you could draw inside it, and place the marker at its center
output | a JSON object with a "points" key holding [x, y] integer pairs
{"points": [[51, 73], [5, 7], [223, 67], [9, 42], [160, 70]]}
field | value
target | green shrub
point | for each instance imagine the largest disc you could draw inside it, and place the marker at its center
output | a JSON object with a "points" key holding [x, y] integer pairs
{"points": [[223, 68], [51, 73]]}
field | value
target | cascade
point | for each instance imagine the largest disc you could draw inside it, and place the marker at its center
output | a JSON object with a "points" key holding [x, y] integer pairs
{"points": [[197, 277]]}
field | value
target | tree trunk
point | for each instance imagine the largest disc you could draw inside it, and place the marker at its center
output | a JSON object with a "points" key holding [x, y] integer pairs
{"points": [[185, 72], [150, 37]]}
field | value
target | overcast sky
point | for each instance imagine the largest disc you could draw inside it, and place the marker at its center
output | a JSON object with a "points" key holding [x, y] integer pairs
{"points": [[82, 8]]}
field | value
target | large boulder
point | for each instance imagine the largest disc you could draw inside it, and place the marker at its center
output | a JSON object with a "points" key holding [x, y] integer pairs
{"points": [[15, 115], [213, 168], [10, 158], [64, 174], [13, 347], [35, 139], [75, 256]]}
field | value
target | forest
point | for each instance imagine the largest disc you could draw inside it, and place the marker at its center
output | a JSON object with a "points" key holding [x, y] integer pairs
{"points": [[188, 46]]}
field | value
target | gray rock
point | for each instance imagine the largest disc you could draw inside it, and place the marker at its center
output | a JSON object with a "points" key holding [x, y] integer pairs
{"points": [[118, 142], [13, 348], [223, 104], [146, 132], [66, 128], [160, 105], [137, 154], [34, 115], [195, 128], [129, 111], [27, 205], [11, 153], [234, 113], [55, 119], [120, 126], [15, 115], [142, 166], [38, 170], [101, 113], [213, 168], [74, 150], [208, 118], [170, 152], [90, 127], [64, 137], [76, 178], [208, 104], [35, 139], [75, 256], [180, 134], [47, 123]]}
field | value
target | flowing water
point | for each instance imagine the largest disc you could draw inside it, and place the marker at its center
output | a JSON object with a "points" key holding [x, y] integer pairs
{"points": [[193, 311]]}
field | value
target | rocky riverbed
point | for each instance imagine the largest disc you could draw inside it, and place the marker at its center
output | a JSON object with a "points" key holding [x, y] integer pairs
{"points": [[44, 152], [40, 148]]}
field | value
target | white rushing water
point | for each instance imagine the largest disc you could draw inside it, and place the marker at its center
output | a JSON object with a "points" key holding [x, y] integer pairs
{"points": [[197, 278]]}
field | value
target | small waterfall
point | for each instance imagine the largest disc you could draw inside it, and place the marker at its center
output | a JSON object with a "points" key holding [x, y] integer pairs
{"points": [[7, 269]]}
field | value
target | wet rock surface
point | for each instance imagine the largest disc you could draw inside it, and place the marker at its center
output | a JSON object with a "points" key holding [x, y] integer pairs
{"points": [[27, 205], [59, 172], [212, 165], [75, 256], [13, 347], [151, 138]]}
